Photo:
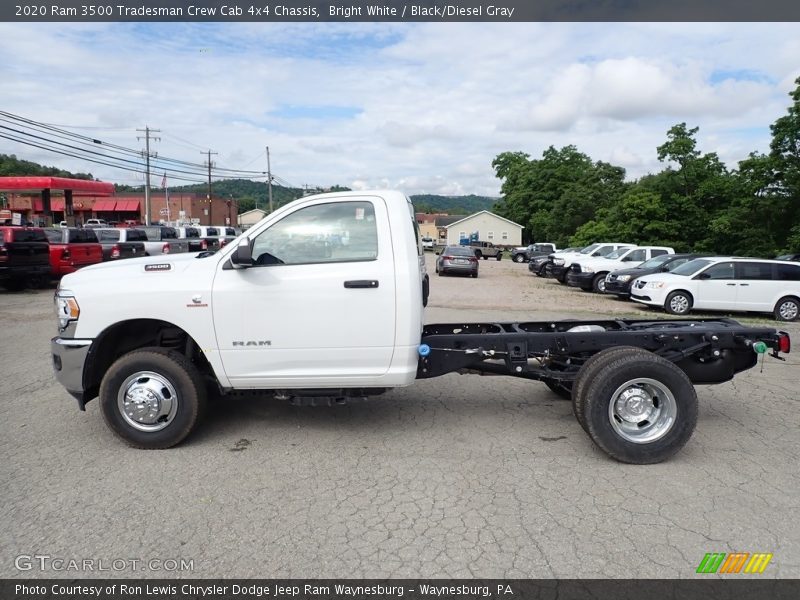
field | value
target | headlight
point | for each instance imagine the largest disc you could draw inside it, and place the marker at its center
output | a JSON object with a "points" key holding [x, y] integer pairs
{"points": [[587, 269], [624, 278], [655, 285], [67, 310], [558, 261]]}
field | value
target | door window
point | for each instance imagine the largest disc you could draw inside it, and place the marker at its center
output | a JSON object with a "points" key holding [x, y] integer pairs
{"points": [[636, 256], [788, 272], [323, 233], [719, 271]]}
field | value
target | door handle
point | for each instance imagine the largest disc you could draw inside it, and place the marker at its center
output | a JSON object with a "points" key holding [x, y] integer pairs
{"points": [[361, 283], [731, 284], [744, 284]]}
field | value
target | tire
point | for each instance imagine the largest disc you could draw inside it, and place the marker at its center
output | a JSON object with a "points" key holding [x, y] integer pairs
{"points": [[640, 408], [518, 258], [679, 303], [484, 257], [439, 273], [588, 372], [16, 284], [561, 389], [599, 283], [787, 309], [478, 254], [499, 257], [163, 373], [474, 275]]}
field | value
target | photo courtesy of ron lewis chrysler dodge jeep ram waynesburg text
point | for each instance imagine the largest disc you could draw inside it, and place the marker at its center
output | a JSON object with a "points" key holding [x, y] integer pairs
{"points": [[325, 297]]}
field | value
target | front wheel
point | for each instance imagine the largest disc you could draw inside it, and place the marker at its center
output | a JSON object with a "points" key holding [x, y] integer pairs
{"points": [[787, 309], [678, 303], [518, 258], [640, 408], [599, 283], [499, 257], [152, 398]]}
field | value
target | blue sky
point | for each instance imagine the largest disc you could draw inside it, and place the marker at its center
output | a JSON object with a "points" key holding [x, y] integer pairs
{"points": [[423, 107]]}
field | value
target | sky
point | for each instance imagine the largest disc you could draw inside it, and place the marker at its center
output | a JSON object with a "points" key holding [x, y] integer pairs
{"points": [[420, 107]]}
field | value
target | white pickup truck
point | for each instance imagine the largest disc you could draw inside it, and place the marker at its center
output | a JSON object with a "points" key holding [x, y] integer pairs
{"points": [[589, 274], [324, 298]]}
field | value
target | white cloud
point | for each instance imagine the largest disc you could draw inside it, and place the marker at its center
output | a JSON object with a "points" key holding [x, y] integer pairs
{"points": [[430, 104]]}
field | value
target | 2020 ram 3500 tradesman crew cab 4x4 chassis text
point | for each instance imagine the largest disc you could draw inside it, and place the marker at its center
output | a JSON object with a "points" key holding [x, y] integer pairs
{"points": [[325, 297]]}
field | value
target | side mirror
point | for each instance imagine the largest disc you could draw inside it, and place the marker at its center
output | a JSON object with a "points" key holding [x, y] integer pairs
{"points": [[664, 269], [704, 276], [242, 256]]}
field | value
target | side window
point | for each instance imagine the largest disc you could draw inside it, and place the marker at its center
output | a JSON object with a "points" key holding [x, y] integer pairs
{"points": [[636, 256], [462, 235], [753, 271], [788, 272], [720, 271], [505, 235], [109, 236], [603, 250], [658, 252], [336, 232]]}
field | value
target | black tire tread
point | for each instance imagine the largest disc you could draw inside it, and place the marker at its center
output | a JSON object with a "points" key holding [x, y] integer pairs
{"points": [[191, 377]]}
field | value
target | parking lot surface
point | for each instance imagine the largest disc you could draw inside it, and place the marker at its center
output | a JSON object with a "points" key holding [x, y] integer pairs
{"points": [[460, 476]]}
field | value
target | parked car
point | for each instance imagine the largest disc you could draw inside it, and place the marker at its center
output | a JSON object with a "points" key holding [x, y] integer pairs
{"points": [[485, 250], [163, 240], [119, 243], [725, 283], [620, 282], [191, 234], [96, 223], [526, 253], [227, 234], [795, 257], [538, 264], [24, 257], [211, 235], [589, 274], [560, 262], [428, 243], [457, 259], [72, 248]]}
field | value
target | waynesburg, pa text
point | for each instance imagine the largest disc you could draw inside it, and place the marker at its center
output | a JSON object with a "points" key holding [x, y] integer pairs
{"points": [[260, 591]]}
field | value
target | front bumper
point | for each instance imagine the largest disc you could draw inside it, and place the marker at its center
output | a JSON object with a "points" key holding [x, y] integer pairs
{"points": [[557, 271], [581, 280], [69, 356], [620, 288]]}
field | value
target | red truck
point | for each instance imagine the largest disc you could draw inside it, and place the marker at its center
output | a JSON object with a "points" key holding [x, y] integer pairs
{"points": [[72, 248]]}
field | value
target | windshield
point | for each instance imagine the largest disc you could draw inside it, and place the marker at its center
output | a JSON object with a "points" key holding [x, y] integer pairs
{"points": [[590, 249], [692, 267], [655, 262], [458, 251], [617, 253]]}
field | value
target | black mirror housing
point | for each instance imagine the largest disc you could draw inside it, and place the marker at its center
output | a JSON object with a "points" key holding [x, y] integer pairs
{"points": [[242, 256]]}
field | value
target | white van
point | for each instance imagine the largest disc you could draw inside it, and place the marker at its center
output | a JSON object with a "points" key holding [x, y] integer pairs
{"points": [[725, 283]]}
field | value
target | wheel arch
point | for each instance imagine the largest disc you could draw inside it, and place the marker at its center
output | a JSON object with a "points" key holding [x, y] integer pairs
{"points": [[125, 336]]}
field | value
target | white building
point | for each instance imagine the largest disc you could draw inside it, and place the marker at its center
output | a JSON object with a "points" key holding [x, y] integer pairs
{"points": [[251, 217], [488, 226]]}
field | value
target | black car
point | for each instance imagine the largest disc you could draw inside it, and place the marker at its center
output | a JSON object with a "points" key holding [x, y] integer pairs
{"points": [[619, 282], [538, 264]]}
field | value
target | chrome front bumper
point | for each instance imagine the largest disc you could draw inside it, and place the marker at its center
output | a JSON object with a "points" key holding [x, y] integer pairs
{"points": [[69, 356]]}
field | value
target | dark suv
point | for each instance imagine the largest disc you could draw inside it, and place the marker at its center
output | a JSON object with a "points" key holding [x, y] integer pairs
{"points": [[24, 257], [526, 254]]}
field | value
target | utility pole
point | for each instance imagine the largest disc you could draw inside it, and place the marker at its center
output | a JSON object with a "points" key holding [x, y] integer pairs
{"points": [[147, 131], [269, 181], [208, 196]]}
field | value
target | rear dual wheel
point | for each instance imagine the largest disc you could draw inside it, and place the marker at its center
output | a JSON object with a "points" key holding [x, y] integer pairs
{"points": [[636, 406]]}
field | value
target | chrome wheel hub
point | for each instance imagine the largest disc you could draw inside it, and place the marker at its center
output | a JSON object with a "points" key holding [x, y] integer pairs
{"points": [[147, 401], [788, 311], [679, 304], [642, 410]]}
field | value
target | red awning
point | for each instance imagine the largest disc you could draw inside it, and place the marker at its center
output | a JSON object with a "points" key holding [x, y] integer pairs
{"points": [[57, 204], [104, 205], [37, 205], [37, 184], [128, 205]]}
